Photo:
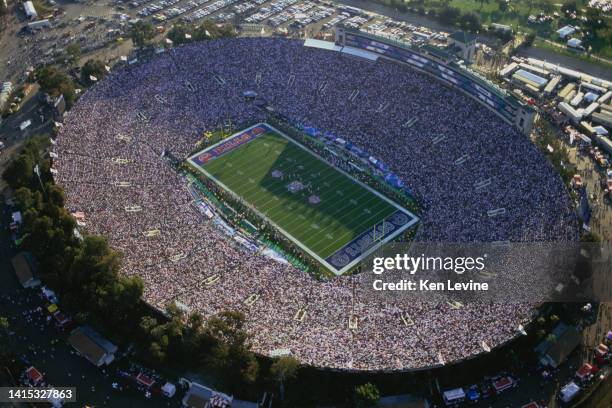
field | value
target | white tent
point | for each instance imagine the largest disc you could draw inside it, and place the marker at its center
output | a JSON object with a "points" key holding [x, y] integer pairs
{"points": [[569, 391], [30, 11], [565, 31], [600, 130], [168, 390], [25, 124]]}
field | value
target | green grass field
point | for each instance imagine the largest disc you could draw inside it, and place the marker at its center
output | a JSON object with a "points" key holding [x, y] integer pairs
{"points": [[260, 173]]}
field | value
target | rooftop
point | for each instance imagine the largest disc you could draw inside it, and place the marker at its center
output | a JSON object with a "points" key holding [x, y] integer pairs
{"points": [[463, 37]]}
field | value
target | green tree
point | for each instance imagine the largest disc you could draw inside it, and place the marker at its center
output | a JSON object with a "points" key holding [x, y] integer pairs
{"points": [[73, 52], [55, 82], [95, 68], [569, 7], [142, 33], [482, 3], [19, 171], [366, 396], [548, 6], [209, 30], [530, 5], [177, 33], [283, 369], [449, 15], [230, 352], [502, 5], [470, 22]]}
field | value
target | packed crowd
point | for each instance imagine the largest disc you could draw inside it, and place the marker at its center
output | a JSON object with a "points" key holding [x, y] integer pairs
{"points": [[111, 166]]}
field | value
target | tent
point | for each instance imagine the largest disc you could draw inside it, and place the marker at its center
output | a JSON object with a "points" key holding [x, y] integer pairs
{"points": [[34, 376], [569, 391], [145, 380], [565, 31], [168, 390], [49, 294], [585, 372], [473, 394], [310, 131], [454, 396], [600, 130], [25, 124], [503, 384], [17, 217]]}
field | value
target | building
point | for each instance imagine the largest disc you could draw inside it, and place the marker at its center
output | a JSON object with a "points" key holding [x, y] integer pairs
{"points": [[200, 396], [5, 94], [92, 346], [553, 352], [529, 81], [566, 31], [30, 10], [465, 45], [24, 265], [39, 24], [574, 43], [501, 28]]}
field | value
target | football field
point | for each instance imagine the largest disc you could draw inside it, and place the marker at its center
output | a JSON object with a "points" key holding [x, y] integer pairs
{"points": [[319, 207]]}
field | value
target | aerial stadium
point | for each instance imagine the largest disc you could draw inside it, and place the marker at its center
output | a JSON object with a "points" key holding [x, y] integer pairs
{"points": [[230, 173]]}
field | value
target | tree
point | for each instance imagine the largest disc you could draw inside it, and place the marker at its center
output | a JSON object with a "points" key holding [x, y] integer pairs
{"points": [[366, 396], [569, 7], [482, 3], [470, 21], [595, 19], [95, 68], [209, 30], [73, 52], [283, 369], [55, 82], [548, 6], [502, 5], [142, 33], [177, 33], [449, 15], [230, 352], [530, 4], [19, 171]]}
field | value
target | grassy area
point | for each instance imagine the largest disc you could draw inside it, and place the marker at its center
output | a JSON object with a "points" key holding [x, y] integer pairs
{"points": [[283, 181], [540, 43], [517, 16], [42, 8]]}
